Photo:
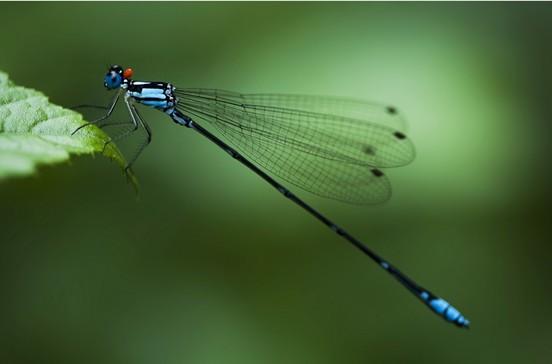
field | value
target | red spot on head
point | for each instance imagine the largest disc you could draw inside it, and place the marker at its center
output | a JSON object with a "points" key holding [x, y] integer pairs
{"points": [[128, 73]]}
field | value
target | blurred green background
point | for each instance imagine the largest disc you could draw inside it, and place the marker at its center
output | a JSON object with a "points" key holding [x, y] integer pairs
{"points": [[211, 265]]}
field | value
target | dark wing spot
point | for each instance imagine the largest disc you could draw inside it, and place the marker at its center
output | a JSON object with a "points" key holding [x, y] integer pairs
{"points": [[377, 172], [370, 150], [399, 135], [391, 110]]}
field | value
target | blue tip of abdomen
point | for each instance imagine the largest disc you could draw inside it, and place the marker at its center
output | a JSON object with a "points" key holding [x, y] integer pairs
{"points": [[445, 310]]}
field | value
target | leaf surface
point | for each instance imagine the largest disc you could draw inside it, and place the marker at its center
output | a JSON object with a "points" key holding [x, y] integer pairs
{"points": [[34, 131]]}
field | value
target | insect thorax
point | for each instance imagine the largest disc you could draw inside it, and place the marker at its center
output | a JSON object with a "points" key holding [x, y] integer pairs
{"points": [[159, 95]]}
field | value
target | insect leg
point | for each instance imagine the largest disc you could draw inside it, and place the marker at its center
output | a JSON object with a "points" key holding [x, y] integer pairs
{"points": [[109, 109]]}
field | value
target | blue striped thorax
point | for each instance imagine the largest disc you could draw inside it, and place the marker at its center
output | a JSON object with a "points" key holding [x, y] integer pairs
{"points": [[159, 95]]}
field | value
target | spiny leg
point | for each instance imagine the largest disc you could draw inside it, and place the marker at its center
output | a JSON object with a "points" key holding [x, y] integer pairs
{"points": [[109, 109], [145, 142], [138, 121], [128, 131]]}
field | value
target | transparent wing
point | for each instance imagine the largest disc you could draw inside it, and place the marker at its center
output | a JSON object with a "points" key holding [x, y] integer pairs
{"points": [[373, 112], [307, 141], [345, 107]]}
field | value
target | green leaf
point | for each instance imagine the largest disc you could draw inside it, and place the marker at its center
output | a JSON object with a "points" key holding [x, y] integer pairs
{"points": [[34, 131]]}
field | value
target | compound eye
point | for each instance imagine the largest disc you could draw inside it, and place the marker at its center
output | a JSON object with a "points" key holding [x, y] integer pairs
{"points": [[112, 80]]}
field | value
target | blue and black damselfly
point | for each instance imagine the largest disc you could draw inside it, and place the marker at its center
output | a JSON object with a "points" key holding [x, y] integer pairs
{"points": [[332, 147]]}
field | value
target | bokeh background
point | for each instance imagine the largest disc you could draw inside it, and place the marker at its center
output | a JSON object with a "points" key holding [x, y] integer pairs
{"points": [[211, 265]]}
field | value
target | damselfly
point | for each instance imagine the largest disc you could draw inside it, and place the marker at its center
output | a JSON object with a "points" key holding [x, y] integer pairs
{"points": [[332, 147]]}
